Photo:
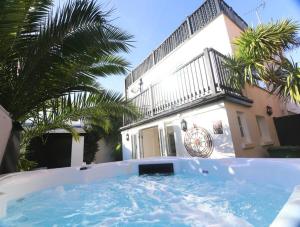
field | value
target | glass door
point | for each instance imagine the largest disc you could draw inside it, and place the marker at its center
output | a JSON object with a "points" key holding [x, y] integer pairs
{"points": [[171, 144]]}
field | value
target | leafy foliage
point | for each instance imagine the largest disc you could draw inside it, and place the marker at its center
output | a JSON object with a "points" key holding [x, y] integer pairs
{"points": [[24, 164], [260, 56], [99, 112], [46, 54], [50, 60], [94, 109]]}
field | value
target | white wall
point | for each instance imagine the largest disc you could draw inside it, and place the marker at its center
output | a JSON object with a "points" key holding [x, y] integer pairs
{"points": [[77, 151], [126, 145], [5, 129], [293, 108], [214, 35], [204, 117]]}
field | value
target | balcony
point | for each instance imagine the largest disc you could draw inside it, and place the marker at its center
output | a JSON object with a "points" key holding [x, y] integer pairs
{"points": [[200, 79], [206, 13]]}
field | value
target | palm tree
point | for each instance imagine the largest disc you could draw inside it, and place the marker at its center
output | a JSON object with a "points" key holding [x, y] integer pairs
{"points": [[260, 57], [99, 112], [50, 60], [45, 54], [93, 109]]}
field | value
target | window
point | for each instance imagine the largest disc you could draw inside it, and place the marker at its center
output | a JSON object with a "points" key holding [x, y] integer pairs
{"points": [[171, 148], [263, 128], [243, 128], [240, 125]]}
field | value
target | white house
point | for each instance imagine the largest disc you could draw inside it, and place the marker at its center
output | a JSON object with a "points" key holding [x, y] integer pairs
{"points": [[188, 108]]}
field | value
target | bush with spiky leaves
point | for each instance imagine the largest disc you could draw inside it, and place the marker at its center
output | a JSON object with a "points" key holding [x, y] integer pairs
{"points": [[260, 56]]}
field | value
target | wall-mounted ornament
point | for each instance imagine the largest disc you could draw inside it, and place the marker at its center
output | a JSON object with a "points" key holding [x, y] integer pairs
{"points": [[218, 127], [141, 85], [198, 142], [127, 136], [269, 110], [183, 125]]}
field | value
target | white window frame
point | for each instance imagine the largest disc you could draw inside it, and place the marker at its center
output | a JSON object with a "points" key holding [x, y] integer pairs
{"points": [[263, 130], [136, 146], [244, 130]]}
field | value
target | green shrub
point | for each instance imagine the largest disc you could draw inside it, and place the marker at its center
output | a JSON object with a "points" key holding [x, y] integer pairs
{"points": [[284, 152], [117, 153]]}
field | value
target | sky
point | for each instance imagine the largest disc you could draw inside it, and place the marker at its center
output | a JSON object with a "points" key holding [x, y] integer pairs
{"points": [[152, 21]]}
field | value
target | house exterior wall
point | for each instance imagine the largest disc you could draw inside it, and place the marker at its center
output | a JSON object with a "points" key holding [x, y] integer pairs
{"points": [[204, 117], [293, 108], [233, 32], [217, 35], [77, 151], [257, 146]]}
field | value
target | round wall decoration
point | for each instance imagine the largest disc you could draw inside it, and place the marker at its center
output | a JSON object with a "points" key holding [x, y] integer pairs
{"points": [[198, 142]]}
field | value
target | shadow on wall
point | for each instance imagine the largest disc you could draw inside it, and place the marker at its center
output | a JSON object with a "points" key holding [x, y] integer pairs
{"points": [[105, 152]]}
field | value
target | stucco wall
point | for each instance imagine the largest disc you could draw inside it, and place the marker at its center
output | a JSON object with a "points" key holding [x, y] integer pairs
{"points": [[204, 116], [261, 99], [233, 31]]}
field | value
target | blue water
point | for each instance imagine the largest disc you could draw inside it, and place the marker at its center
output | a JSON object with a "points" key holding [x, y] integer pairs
{"points": [[179, 200]]}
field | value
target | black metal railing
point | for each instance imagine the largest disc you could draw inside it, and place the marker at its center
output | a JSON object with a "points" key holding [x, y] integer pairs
{"points": [[207, 12], [203, 76], [173, 41], [204, 15]]}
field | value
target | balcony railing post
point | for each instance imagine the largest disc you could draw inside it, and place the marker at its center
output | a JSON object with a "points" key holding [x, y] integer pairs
{"points": [[210, 71], [151, 100], [153, 58], [218, 7], [189, 25]]}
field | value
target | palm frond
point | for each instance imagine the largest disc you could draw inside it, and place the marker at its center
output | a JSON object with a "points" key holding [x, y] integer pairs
{"points": [[286, 82], [268, 40], [260, 57], [91, 108], [240, 73], [58, 53]]}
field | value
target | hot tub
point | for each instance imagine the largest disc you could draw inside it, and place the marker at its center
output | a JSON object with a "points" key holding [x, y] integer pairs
{"points": [[201, 192]]}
